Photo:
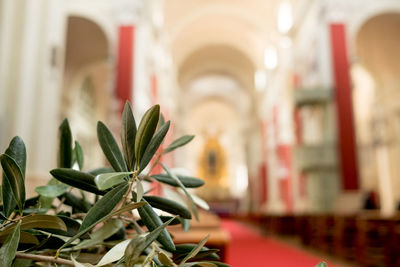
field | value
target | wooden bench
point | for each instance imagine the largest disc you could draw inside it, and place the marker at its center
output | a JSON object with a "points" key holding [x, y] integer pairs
{"points": [[208, 224]]}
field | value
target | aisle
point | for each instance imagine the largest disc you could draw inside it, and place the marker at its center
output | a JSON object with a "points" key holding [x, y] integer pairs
{"points": [[249, 249]]}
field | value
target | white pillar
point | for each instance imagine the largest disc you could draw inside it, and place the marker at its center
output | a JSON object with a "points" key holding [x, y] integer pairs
{"points": [[47, 110]]}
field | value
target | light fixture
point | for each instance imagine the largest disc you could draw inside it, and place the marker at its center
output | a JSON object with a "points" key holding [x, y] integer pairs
{"points": [[285, 18], [271, 57]]}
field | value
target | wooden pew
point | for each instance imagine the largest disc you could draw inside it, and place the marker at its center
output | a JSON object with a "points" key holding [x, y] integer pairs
{"points": [[345, 232], [374, 242], [208, 224]]}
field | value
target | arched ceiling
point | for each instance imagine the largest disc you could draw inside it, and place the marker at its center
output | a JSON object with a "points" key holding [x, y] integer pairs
{"points": [[217, 59], [377, 47], [208, 25], [85, 43]]}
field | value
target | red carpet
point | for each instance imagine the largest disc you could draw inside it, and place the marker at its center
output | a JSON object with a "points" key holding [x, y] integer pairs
{"points": [[250, 249]]}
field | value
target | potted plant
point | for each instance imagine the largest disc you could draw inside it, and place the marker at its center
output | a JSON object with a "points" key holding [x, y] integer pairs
{"points": [[80, 218]]}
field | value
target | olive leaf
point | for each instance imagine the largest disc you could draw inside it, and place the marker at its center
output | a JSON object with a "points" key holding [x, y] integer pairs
{"points": [[25, 238], [145, 131], [110, 148], [15, 178], [65, 153], [9, 202], [79, 155], [128, 135], [37, 221], [107, 230], [169, 206], [139, 190], [154, 145], [101, 211], [104, 206], [181, 141], [106, 180], [194, 251], [161, 120], [201, 264], [9, 248], [78, 179], [52, 190], [188, 182], [100, 170], [17, 151], [150, 218], [114, 254], [189, 196], [137, 245]]}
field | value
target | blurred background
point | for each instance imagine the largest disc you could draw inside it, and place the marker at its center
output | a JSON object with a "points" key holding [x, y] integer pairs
{"points": [[294, 103]]}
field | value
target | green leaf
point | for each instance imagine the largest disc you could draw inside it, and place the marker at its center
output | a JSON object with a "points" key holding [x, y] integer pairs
{"points": [[163, 218], [128, 207], [79, 155], [138, 245], [192, 203], [108, 229], [128, 135], [181, 141], [78, 204], [101, 211], [165, 259], [139, 190], [65, 148], [183, 249], [17, 151], [145, 132], [9, 248], [9, 202], [52, 190], [72, 227], [200, 202], [188, 182], [152, 222], [154, 145], [195, 250], [110, 148], [15, 178], [84, 231], [107, 180], [321, 264], [78, 179], [204, 254], [185, 224], [169, 206], [37, 221], [161, 121], [25, 238], [22, 263], [101, 170], [200, 264], [114, 254], [104, 206]]}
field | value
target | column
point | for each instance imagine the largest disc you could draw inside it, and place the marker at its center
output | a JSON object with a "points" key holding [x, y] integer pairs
{"points": [[125, 67], [345, 121]]}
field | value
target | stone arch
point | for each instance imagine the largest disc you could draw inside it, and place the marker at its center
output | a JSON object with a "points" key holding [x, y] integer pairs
{"points": [[87, 89]]}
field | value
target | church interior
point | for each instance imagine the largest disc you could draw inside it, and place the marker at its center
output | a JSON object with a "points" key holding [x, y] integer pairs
{"points": [[297, 136]]}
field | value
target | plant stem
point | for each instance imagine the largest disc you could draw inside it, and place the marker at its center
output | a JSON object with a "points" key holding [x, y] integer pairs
{"points": [[41, 258]]}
